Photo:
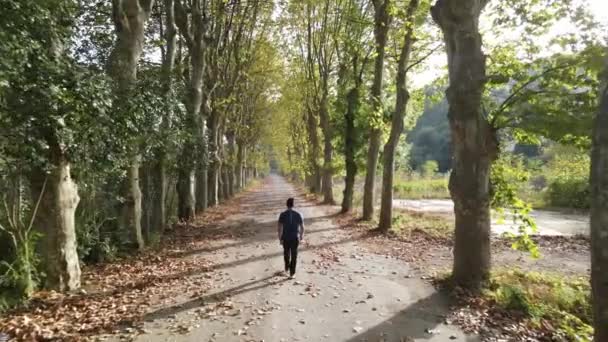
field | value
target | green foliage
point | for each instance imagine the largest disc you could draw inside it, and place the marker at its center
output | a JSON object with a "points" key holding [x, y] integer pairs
{"points": [[18, 268], [564, 302], [508, 173], [19, 278], [429, 168], [568, 176]]}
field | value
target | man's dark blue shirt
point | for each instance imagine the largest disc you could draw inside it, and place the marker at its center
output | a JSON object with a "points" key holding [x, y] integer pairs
{"points": [[291, 221]]}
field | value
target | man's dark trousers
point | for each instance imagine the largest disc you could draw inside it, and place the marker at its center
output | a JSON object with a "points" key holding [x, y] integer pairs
{"points": [[290, 253]]}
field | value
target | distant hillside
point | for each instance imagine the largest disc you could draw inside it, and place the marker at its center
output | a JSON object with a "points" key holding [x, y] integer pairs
{"points": [[430, 138]]}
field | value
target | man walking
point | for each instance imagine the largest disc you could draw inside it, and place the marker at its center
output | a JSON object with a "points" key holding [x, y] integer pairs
{"points": [[291, 232]]}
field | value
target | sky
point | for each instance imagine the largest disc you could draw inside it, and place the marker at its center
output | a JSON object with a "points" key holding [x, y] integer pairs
{"points": [[437, 63], [600, 8]]}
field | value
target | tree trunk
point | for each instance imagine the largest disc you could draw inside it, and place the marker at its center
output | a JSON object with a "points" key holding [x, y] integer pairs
{"points": [[159, 169], [315, 186], [186, 200], [473, 139], [146, 203], [349, 149], [239, 166], [214, 162], [55, 219], [231, 179], [186, 184], [129, 18], [327, 185], [386, 205], [158, 218], [599, 215], [202, 191], [381, 25], [132, 207]]}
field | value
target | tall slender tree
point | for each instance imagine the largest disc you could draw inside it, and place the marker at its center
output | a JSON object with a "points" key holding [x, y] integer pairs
{"points": [[192, 28], [382, 19], [473, 138], [353, 49], [397, 124], [599, 214], [130, 17]]}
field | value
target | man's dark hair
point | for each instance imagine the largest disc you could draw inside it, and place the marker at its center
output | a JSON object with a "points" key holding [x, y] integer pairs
{"points": [[290, 202]]}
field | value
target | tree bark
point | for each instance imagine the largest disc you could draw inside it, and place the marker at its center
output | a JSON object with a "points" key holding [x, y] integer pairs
{"points": [[129, 18], [239, 166], [186, 200], [349, 148], [214, 162], [599, 215], [158, 218], [386, 205], [381, 25], [315, 186], [187, 180], [146, 200], [202, 191], [55, 219], [132, 207], [473, 139], [327, 181]]}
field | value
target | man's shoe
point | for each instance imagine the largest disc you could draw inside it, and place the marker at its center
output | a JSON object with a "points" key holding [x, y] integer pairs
{"points": [[292, 276]]}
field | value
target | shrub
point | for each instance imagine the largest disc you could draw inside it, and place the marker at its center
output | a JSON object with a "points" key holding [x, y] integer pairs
{"points": [[569, 181], [429, 168], [564, 302], [569, 193]]}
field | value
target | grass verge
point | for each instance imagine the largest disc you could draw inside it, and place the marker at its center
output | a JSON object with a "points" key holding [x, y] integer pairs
{"points": [[436, 188], [530, 306], [407, 223]]}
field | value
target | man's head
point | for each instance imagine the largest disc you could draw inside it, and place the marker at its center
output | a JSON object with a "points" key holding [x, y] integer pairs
{"points": [[290, 202]]}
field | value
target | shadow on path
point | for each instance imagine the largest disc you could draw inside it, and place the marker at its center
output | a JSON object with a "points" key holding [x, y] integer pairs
{"points": [[416, 322], [212, 298]]}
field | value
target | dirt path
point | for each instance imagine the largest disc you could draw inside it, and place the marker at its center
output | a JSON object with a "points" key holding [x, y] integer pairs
{"points": [[342, 292]]}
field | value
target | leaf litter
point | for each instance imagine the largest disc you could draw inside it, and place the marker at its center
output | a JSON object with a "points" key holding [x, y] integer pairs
{"points": [[115, 297]]}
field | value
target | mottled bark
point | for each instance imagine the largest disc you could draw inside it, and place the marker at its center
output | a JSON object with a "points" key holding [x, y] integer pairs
{"points": [[129, 18], [196, 45], [214, 162], [132, 205], [599, 215], [474, 141], [202, 167], [386, 205], [158, 174], [55, 219], [349, 148], [381, 25]]}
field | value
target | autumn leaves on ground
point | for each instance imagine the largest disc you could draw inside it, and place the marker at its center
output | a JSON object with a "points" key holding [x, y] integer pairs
{"points": [[240, 299]]}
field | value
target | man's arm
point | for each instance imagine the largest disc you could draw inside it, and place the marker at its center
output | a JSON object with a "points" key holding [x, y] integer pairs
{"points": [[302, 230], [279, 230]]}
